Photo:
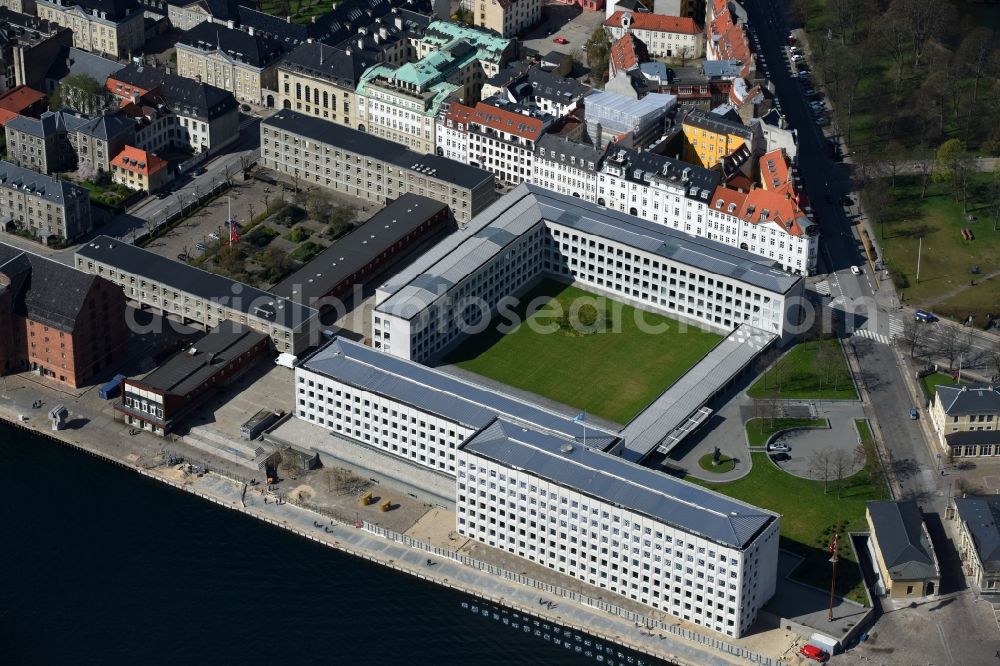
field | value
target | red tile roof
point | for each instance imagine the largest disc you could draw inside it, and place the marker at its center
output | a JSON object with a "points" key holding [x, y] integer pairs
{"points": [[656, 22], [499, 119], [139, 161], [627, 53], [20, 98], [6, 116], [780, 207], [774, 169], [729, 41]]}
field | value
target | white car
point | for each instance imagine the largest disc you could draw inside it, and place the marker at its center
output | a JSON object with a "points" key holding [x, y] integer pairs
{"points": [[214, 236], [855, 270], [779, 446]]}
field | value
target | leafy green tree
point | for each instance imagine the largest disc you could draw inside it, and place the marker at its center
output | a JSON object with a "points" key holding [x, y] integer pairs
{"points": [[598, 55], [82, 93]]}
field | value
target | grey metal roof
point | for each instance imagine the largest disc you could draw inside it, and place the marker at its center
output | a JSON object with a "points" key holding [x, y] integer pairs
{"points": [[195, 281], [526, 206], [47, 291], [714, 122], [560, 149], [330, 63], [685, 396], [905, 546], [349, 139], [185, 97], [355, 250], [965, 400], [982, 515], [185, 371], [70, 60], [648, 492], [973, 437], [255, 50], [642, 166], [48, 187], [435, 392], [106, 128], [49, 124]]}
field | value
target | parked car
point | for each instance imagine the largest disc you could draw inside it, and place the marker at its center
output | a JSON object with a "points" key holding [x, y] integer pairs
{"points": [[924, 316], [779, 446], [200, 171], [914, 414], [200, 246], [214, 236], [855, 270], [561, 40], [810, 651], [182, 257], [780, 457], [846, 200]]}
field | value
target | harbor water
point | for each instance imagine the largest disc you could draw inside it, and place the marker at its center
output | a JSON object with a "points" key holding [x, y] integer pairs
{"points": [[101, 565]]}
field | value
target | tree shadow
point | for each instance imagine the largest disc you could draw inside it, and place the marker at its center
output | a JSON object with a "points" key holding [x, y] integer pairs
{"points": [[904, 468]]}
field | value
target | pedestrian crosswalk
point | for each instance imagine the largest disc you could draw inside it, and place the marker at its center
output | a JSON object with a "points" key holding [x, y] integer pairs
{"points": [[822, 287], [895, 327], [871, 335]]}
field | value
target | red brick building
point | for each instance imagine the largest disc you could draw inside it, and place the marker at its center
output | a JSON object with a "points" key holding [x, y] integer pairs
{"points": [[57, 321]]}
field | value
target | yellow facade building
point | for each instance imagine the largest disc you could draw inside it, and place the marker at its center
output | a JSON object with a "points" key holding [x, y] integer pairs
{"points": [[709, 138]]}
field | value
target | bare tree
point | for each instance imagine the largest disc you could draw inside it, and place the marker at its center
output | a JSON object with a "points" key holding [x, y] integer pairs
{"points": [[227, 175], [913, 336], [953, 346], [822, 463], [894, 35], [245, 162], [993, 358], [976, 53], [840, 463], [924, 166], [924, 19], [860, 455]]}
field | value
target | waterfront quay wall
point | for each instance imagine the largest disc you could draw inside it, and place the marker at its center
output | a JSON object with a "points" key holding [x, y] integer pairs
{"points": [[594, 617]]}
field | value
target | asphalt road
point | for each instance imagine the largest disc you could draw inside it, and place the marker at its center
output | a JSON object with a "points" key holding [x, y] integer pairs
{"points": [[857, 297]]}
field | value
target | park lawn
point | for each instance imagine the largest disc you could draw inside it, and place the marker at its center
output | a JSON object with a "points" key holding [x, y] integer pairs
{"points": [[760, 430], [809, 518], [613, 373], [804, 374], [946, 258], [930, 381]]}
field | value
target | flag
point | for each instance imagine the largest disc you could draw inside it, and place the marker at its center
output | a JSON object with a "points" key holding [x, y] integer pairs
{"points": [[954, 375], [833, 544], [582, 416], [234, 234]]}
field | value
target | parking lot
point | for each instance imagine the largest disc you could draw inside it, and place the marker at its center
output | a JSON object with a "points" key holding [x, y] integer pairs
{"points": [[184, 238], [566, 21]]}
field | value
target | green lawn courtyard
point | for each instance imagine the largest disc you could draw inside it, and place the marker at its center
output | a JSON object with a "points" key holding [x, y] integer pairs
{"points": [[606, 365], [759, 430], [930, 381], [812, 370], [810, 517]]}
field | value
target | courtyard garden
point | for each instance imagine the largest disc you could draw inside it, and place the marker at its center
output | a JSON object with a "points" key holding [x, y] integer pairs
{"points": [[585, 351]]}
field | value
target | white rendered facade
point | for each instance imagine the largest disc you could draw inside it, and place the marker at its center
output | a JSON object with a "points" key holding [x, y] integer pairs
{"points": [[676, 204], [413, 323], [394, 427], [612, 547]]}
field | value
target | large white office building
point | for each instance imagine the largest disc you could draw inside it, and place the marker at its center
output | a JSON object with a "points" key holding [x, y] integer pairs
{"points": [[671, 545], [533, 233], [527, 482]]}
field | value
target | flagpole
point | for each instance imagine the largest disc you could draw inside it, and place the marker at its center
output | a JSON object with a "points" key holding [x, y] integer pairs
{"points": [[833, 575]]}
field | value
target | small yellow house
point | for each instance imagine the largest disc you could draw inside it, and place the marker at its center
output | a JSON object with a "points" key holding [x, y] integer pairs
{"points": [[139, 170], [902, 550]]}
